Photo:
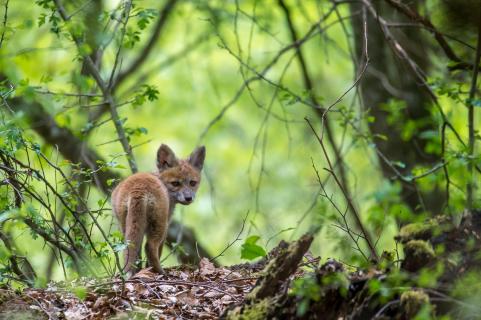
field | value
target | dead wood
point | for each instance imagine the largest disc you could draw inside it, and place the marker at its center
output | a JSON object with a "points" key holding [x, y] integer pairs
{"points": [[280, 268]]}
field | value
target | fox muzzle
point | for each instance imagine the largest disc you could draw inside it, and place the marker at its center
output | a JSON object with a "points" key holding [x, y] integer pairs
{"points": [[185, 196]]}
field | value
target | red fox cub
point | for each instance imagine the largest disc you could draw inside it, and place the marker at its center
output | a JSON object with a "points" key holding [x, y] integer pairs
{"points": [[144, 203]]}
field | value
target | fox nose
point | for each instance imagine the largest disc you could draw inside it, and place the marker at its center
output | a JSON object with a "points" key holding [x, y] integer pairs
{"points": [[188, 199]]}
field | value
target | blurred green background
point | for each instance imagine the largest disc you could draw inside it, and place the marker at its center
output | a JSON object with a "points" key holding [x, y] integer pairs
{"points": [[260, 152]]}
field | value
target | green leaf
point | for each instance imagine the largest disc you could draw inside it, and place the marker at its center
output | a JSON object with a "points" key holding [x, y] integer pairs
{"points": [[250, 250], [101, 202], [84, 49], [150, 92]]}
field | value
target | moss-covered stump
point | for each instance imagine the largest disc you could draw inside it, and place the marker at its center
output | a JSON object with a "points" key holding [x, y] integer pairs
{"points": [[439, 240], [413, 301], [280, 268], [426, 230], [329, 301], [273, 282], [418, 254]]}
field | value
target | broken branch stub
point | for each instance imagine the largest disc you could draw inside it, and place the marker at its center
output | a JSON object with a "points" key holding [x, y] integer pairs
{"points": [[280, 268]]}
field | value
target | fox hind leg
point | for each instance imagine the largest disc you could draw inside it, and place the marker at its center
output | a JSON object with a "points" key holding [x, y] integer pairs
{"points": [[152, 250], [136, 223]]}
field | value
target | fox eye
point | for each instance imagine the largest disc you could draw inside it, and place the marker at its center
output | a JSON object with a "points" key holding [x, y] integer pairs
{"points": [[175, 183], [193, 183]]}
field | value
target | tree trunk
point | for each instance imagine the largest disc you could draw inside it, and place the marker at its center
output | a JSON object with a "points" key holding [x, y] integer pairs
{"points": [[388, 78]]}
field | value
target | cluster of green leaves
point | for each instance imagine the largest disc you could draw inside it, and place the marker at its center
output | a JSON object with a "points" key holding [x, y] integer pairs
{"points": [[51, 17], [145, 93], [250, 250], [51, 206]]}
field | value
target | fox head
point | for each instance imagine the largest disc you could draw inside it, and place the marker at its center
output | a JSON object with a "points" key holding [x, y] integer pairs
{"points": [[180, 176]]}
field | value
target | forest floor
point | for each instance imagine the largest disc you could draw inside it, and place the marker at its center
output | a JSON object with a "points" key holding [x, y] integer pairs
{"points": [[182, 292], [289, 283]]}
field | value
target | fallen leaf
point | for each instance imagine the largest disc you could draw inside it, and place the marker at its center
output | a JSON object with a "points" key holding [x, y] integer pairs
{"points": [[100, 302], [213, 294], [226, 299], [187, 298], [146, 273], [75, 313], [206, 267], [166, 288]]}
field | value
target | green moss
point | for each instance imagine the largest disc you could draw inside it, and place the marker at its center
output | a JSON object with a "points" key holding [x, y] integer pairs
{"points": [[256, 311], [262, 274], [412, 301], [420, 230], [419, 248], [424, 230]]}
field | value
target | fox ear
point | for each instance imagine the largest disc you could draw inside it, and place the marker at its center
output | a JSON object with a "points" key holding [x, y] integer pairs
{"points": [[165, 158], [197, 157]]}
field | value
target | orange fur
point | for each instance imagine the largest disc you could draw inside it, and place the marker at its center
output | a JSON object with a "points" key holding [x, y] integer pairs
{"points": [[144, 203]]}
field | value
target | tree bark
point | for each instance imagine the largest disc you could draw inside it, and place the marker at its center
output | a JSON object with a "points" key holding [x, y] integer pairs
{"points": [[387, 78]]}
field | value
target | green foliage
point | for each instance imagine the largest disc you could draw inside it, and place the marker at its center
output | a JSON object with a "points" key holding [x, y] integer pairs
{"points": [[250, 250], [52, 17], [468, 290], [131, 38], [306, 289], [429, 277], [146, 93], [204, 82], [395, 109], [387, 288], [144, 16]]}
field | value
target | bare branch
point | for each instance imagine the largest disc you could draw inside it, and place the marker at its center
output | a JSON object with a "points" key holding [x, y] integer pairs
{"points": [[415, 16], [237, 238], [356, 215]]}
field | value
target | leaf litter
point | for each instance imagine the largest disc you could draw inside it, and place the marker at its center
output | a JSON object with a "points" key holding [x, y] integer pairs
{"points": [[180, 293]]}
